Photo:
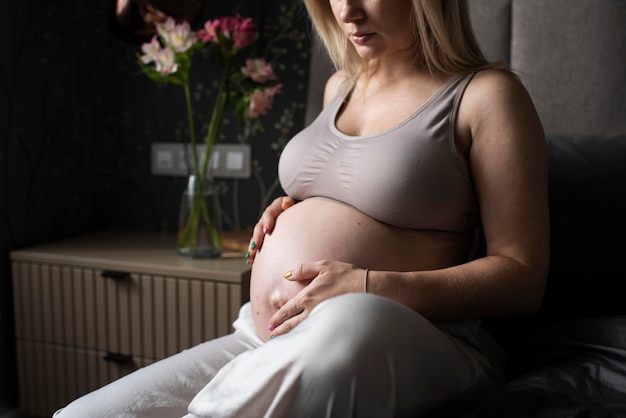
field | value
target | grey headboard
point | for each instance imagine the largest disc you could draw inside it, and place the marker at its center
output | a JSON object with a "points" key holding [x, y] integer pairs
{"points": [[570, 54]]}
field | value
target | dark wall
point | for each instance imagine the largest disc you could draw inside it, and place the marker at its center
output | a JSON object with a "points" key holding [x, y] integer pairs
{"points": [[77, 120]]}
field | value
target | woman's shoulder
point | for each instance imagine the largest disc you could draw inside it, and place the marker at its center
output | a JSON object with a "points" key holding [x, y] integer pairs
{"points": [[336, 84], [493, 99], [494, 92], [494, 84]]}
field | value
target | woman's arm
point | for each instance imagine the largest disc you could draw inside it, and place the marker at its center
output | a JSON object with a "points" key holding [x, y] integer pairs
{"points": [[508, 164], [506, 155]]}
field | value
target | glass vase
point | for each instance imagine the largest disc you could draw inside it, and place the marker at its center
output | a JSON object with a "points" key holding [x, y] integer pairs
{"points": [[199, 227]]}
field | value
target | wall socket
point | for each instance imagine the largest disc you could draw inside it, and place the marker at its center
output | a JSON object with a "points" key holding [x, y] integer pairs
{"points": [[227, 160]]}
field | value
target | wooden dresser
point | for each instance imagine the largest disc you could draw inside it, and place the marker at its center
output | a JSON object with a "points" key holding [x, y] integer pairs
{"points": [[91, 309]]}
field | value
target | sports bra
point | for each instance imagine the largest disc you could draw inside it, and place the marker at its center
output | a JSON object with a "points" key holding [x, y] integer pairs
{"points": [[409, 176]]}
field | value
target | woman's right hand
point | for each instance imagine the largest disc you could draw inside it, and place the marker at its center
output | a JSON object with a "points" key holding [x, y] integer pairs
{"points": [[266, 224]]}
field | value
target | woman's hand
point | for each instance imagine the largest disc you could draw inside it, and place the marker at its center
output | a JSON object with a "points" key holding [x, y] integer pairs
{"points": [[327, 279], [266, 224]]}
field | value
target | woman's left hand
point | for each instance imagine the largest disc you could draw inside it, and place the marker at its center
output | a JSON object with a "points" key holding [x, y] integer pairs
{"points": [[266, 224], [327, 279]]}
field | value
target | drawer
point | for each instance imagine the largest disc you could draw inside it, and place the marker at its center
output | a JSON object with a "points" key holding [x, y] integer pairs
{"points": [[145, 315], [51, 376]]}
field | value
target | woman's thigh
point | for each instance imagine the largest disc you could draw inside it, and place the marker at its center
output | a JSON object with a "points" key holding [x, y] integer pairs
{"points": [[356, 355]]}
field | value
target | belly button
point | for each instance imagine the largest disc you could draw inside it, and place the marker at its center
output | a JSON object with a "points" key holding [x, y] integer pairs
{"points": [[277, 299]]}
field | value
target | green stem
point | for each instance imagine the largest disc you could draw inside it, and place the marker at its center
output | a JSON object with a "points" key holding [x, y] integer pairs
{"points": [[218, 109], [192, 129], [213, 230], [188, 236], [199, 210]]}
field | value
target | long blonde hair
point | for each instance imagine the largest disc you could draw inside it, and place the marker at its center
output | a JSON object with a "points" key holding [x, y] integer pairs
{"points": [[442, 28]]}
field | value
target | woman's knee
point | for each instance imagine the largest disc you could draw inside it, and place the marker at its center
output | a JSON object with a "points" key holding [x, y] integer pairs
{"points": [[381, 349], [358, 333], [360, 319]]}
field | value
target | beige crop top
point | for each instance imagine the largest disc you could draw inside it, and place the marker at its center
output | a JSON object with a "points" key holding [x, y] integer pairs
{"points": [[408, 176]]}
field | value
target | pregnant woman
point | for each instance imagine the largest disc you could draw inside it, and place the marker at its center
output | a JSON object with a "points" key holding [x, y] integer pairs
{"points": [[368, 281]]}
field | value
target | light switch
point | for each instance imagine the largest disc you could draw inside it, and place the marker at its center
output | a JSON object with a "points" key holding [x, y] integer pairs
{"points": [[227, 160], [234, 161], [165, 159]]}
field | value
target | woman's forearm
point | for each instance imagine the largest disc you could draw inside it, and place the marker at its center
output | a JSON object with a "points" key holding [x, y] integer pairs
{"points": [[486, 287]]}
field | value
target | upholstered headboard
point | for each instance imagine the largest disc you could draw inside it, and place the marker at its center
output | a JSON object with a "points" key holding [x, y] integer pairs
{"points": [[570, 54]]}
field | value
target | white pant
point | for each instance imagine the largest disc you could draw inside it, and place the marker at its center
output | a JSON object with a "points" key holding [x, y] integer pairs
{"points": [[357, 355]]}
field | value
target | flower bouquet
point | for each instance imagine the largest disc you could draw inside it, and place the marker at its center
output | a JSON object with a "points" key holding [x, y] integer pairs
{"points": [[248, 84]]}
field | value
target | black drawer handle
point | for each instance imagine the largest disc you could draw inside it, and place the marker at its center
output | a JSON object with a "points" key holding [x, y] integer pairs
{"points": [[118, 358], [116, 275]]}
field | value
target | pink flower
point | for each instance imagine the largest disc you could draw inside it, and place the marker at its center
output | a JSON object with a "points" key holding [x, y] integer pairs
{"points": [[245, 32], [209, 33], [242, 31], [261, 101], [228, 24], [258, 70]]}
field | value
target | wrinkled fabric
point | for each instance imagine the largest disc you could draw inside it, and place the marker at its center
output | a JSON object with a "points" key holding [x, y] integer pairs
{"points": [[356, 355], [165, 388]]}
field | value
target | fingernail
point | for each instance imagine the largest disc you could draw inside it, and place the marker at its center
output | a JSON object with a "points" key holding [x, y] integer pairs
{"points": [[252, 245], [248, 254], [271, 337], [271, 327], [264, 229], [288, 274], [247, 261]]}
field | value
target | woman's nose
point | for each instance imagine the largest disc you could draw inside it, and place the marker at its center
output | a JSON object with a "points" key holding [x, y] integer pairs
{"points": [[351, 10]]}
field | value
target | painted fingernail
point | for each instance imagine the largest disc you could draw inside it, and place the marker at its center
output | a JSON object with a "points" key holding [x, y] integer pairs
{"points": [[248, 254], [288, 274], [264, 229], [271, 337], [271, 327], [253, 245]]}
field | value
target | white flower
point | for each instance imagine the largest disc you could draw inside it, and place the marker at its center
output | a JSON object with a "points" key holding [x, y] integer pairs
{"points": [[150, 51], [165, 62], [179, 37]]}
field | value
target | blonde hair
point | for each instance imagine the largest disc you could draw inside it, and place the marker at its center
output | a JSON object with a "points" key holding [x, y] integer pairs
{"points": [[442, 28]]}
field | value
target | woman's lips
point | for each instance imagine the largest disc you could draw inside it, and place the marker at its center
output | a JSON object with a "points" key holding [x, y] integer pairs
{"points": [[360, 38]]}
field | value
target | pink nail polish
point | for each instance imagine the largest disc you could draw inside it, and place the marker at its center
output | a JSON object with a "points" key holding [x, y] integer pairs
{"points": [[271, 327], [264, 229]]}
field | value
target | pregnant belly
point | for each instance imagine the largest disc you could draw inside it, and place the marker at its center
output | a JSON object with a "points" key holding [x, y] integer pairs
{"points": [[318, 229]]}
